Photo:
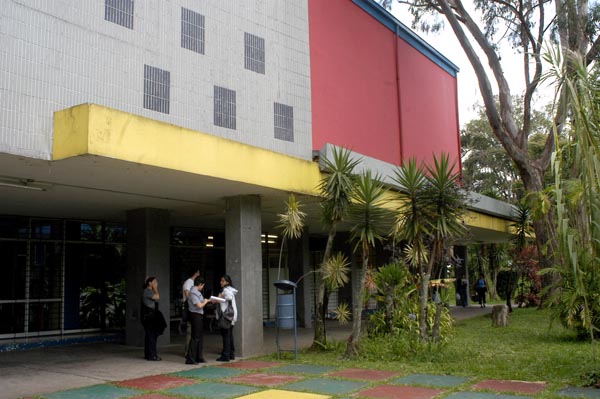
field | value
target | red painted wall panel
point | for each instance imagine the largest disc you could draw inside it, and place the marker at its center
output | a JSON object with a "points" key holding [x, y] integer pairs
{"points": [[429, 112], [355, 93], [354, 100]]}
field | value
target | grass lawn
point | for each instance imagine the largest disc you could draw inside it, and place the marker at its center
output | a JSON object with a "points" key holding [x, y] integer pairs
{"points": [[528, 349]]}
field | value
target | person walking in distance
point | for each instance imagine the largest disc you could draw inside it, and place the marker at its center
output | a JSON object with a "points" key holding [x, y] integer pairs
{"points": [[228, 293], [481, 288], [185, 320], [196, 303]]}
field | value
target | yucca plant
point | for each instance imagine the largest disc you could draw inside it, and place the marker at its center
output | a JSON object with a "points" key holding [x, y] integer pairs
{"points": [[428, 220], [366, 215], [336, 191], [291, 223]]}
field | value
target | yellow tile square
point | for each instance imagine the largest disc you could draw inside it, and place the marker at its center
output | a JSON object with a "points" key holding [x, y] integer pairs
{"points": [[278, 394]]}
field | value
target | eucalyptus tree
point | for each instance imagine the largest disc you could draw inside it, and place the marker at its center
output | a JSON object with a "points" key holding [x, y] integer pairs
{"points": [[428, 220], [336, 189], [526, 26], [367, 216]]}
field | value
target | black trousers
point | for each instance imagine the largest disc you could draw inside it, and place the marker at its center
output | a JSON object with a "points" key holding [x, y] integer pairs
{"points": [[195, 348], [150, 338], [228, 347]]}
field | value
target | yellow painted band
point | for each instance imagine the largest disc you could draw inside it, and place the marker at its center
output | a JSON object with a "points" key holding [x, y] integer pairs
{"points": [[97, 130]]}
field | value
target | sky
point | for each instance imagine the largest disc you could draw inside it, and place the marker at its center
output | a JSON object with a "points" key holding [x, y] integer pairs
{"points": [[468, 88]]}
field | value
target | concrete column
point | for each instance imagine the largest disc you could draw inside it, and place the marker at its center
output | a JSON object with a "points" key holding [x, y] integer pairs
{"points": [[243, 262], [299, 264], [147, 255]]}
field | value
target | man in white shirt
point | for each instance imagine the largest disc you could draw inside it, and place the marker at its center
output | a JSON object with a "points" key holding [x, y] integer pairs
{"points": [[187, 286]]}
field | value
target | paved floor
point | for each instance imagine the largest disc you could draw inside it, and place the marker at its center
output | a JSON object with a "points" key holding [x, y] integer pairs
{"points": [[110, 371]]}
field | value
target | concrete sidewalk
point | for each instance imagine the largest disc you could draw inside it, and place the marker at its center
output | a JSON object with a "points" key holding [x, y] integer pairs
{"points": [[38, 371]]}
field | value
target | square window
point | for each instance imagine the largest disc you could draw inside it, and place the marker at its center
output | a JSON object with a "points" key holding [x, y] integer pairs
{"points": [[157, 85], [284, 122], [254, 53], [192, 30], [120, 12], [224, 107]]}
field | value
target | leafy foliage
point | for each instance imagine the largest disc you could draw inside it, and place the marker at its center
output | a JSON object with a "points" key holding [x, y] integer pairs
{"points": [[576, 299], [103, 307]]}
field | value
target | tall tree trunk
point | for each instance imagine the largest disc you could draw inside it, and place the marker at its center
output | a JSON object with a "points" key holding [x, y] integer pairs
{"points": [[320, 336], [437, 321], [357, 306], [423, 297]]}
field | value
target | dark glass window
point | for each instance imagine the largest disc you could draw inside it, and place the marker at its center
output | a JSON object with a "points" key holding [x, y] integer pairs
{"points": [[45, 271], [224, 114], [120, 12], [14, 227], [47, 229], [13, 264], [284, 122], [157, 84], [254, 53], [192, 30]]}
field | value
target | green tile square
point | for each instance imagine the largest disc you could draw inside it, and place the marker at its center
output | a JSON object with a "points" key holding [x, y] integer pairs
{"points": [[325, 386], [483, 395], [94, 392], [210, 373], [577, 392], [213, 390], [303, 369], [431, 380]]}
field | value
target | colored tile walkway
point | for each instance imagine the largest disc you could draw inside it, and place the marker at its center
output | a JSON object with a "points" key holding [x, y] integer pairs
{"points": [[431, 380], [278, 394], [156, 383], [104, 391], [209, 373], [400, 392], [213, 390], [250, 379], [251, 364], [325, 386], [523, 387], [363, 374], [263, 379], [304, 369]]}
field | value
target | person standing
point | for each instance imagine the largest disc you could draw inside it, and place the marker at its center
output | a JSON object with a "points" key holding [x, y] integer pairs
{"points": [[187, 286], [481, 288], [228, 293], [196, 303], [151, 318]]}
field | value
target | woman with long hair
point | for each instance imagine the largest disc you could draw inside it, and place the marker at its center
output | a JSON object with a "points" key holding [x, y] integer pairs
{"points": [[228, 293], [149, 309]]}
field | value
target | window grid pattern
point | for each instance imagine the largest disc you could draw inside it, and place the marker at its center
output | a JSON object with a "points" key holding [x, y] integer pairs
{"points": [[157, 83], [254, 53], [284, 122], [120, 12], [224, 114], [192, 30]]}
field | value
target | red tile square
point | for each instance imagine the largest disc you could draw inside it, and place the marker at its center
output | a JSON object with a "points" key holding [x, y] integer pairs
{"points": [[400, 392], [251, 364], [269, 380], [525, 387], [156, 382], [363, 374]]}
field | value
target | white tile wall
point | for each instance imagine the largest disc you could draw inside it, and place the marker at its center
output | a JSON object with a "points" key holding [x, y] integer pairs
{"points": [[57, 54]]}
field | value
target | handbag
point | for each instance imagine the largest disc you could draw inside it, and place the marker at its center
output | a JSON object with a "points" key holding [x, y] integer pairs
{"points": [[225, 318]]}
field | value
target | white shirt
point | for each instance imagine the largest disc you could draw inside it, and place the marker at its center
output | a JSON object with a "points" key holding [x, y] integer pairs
{"points": [[187, 286]]}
